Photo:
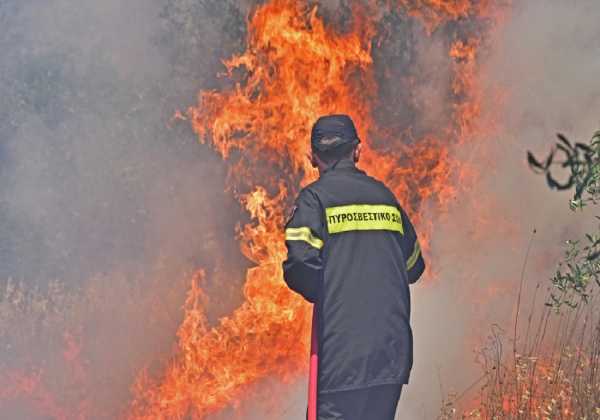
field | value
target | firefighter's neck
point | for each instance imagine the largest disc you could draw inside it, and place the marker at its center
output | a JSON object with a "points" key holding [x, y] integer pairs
{"points": [[324, 166]]}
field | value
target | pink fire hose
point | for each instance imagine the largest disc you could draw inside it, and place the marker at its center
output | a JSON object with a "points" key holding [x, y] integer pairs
{"points": [[314, 364]]}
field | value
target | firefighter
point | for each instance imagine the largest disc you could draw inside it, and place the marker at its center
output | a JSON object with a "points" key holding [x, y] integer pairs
{"points": [[353, 252]]}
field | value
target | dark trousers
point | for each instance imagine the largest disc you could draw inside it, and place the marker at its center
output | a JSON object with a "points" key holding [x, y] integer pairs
{"points": [[374, 403]]}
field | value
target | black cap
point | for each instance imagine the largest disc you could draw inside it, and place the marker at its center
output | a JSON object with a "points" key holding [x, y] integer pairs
{"points": [[331, 131]]}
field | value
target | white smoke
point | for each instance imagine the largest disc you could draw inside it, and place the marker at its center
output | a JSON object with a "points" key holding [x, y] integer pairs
{"points": [[541, 77], [101, 191]]}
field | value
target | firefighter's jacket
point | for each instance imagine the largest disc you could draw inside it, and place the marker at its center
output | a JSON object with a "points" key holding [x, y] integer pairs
{"points": [[353, 252]]}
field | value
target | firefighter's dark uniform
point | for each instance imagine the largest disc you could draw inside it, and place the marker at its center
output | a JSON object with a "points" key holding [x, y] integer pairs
{"points": [[353, 251]]}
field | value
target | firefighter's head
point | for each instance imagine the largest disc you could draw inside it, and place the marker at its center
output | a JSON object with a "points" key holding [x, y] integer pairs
{"points": [[333, 138]]}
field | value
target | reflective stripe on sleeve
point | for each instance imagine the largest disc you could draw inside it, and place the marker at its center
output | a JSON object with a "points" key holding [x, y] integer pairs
{"points": [[413, 258], [363, 217], [303, 234]]}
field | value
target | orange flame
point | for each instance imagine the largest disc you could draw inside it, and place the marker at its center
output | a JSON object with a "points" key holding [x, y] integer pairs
{"points": [[29, 385]]}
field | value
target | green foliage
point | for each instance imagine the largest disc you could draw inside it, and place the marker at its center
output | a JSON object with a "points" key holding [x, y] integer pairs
{"points": [[582, 161], [577, 273], [580, 270]]}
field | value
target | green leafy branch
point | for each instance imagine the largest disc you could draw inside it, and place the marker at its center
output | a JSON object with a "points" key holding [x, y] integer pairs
{"points": [[580, 270], [583, 162], [577, 273]]}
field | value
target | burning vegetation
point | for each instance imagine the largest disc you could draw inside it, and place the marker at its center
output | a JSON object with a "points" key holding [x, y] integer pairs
{"points": [[549, 368], [300, 61], [294, 69]]}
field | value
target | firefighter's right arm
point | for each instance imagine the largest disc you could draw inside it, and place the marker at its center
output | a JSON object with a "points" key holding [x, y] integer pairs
{"points": [[415, 264], [302, 270]]}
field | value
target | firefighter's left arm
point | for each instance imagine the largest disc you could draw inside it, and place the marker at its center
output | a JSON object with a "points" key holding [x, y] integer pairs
{"points": [[415, 264], [302, 270]]}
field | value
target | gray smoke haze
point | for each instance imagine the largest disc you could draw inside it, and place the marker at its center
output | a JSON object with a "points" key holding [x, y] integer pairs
{"points": [[101, 192], [93, 176], [99, 186], [546, 60]]}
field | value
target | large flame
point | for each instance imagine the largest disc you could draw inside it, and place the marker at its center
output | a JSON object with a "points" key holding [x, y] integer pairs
{"points": [[294, 69]]}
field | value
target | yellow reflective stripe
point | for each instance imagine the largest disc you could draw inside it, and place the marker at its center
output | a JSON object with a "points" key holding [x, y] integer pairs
{"points": [[413, 258], [303, 234], [363, 217]]}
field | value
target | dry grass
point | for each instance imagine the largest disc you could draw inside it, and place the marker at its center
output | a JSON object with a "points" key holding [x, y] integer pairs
{"points": [[548, 368], [71, 353]]}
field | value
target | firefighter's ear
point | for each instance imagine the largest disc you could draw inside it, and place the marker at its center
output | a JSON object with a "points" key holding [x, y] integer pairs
{"points": [[357, 150], [312, 158]]}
